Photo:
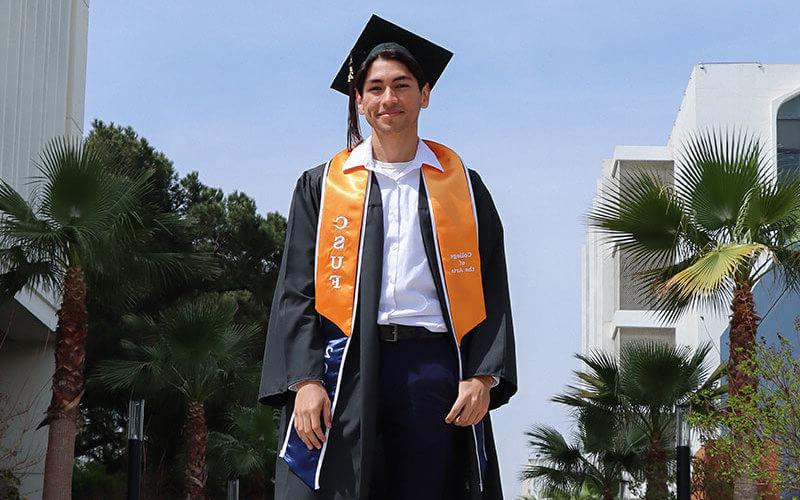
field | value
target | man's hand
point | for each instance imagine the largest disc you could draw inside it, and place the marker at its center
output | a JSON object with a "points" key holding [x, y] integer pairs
{"points": [[311, 400], [472, 402]]}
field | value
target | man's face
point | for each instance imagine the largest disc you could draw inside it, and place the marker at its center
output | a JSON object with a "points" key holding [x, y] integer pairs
{"points": [[392, 98]]}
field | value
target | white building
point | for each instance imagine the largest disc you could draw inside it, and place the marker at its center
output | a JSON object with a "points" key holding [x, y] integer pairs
{"points": [[529, 489], [763, 99], [42, 86]]}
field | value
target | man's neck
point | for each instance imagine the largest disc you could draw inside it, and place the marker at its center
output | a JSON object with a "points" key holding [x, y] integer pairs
{"points": [[394, 149]]}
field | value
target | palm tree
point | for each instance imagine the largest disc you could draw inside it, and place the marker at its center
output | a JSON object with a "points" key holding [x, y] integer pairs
{"points": [[81, 219], [640, 391], [708, 239], [593, 465], [192, 351], [248, 449]]}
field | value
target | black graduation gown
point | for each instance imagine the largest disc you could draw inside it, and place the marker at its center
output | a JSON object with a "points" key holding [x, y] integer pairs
{"points": [[294, 348]]}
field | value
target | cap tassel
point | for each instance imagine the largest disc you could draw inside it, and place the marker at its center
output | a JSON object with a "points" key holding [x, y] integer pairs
{"points": [[350, 74]]}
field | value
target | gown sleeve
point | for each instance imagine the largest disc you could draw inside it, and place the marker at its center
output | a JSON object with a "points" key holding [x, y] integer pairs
{"points": [[489, 349], [295, 346]]}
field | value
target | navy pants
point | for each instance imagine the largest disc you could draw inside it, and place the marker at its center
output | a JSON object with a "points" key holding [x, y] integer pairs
{"points": [[418, 386]]}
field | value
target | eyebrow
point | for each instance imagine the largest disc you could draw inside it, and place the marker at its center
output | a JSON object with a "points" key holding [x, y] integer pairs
{"points": [[398, 78]]}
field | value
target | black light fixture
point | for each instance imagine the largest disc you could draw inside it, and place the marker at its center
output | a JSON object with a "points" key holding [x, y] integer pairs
{"points": [[624, 481], [135, 437], [683, 444], [233, 489]]}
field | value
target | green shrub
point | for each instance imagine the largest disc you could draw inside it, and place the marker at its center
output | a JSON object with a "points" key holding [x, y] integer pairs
{"points": [[9, 485], [91, 481]]}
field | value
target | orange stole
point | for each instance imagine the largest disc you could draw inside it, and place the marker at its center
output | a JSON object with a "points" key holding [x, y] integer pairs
{"points": [[339, 241], [456, 230], [339, 235]]}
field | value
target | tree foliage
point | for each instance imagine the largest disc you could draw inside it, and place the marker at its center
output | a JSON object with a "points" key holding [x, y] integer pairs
{"points": [[246, 246], [635, 395], [767, 418]]}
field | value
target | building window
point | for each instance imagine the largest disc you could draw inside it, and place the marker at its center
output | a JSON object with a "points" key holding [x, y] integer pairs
{"points": [[632, 295], [789, 135]]}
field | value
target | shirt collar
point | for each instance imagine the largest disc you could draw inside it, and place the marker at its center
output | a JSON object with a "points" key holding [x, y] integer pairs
{"points": [[361, 156]]}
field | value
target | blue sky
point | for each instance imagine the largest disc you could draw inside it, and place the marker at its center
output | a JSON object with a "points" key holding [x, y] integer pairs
{"points": [[536, 96]]}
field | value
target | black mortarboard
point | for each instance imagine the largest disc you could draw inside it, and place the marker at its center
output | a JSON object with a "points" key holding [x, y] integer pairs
{"points": [[431, 57]]}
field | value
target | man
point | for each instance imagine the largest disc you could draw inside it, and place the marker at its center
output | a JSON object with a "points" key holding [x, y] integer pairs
{"points": [[390, 335]]}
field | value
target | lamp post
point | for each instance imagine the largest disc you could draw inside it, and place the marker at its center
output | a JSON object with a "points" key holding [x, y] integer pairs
{"points": [[683, 451], [233, 489], [622, 487], [135, 436], [624, 480]]}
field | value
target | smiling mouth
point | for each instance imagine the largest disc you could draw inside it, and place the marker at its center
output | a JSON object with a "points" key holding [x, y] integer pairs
{"points": [[390, 113]]}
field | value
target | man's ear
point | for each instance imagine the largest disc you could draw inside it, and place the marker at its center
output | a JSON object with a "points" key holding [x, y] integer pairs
{"points": [[358, 103], [426, 95]]}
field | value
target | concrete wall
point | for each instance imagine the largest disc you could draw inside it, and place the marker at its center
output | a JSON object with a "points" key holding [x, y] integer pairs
{"points": [[42, 86], [744, 95], [687, 113], [42, 82], [25, 389], [599, 288]]}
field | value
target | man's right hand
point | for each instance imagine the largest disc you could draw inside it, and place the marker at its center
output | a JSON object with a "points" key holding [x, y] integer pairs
{"points": [[311, 400]]}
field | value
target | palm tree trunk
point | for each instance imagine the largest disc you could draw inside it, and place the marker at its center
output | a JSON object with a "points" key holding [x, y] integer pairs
{"points": [[68, 386], [655, 470], [744, 323], [195, 436], [609, 494], [258, 488], [741, 380]]}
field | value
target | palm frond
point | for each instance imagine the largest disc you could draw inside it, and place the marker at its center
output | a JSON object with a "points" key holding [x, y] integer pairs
{"points": [[641, 215], [773, 215], [236, 343], [600, 379], [658, 375], [21, 271], [668, 304], [786, 266], [599, 427], [249, 443], [79, 191], [20, 226], [713, 269], [716, 172], [559, 467], [554, 483], [169, 267], [120, 374], [194, 347], [13, 205]]}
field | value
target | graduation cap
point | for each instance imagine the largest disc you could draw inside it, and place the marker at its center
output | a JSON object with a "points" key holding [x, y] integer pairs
{"points": [[380, 34]]}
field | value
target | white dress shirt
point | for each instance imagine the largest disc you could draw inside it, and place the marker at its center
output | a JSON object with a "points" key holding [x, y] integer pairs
{"points": [[408, 293]]}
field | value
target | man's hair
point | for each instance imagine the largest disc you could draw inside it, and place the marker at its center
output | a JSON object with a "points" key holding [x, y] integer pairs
{"points": [[357, 85]]}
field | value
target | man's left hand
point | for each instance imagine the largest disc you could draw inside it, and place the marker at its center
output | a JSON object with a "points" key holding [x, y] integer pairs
{"points": [[472, 402]]}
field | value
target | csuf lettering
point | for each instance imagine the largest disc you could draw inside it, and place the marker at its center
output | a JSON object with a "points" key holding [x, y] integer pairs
{"points": [[340, 223]]}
